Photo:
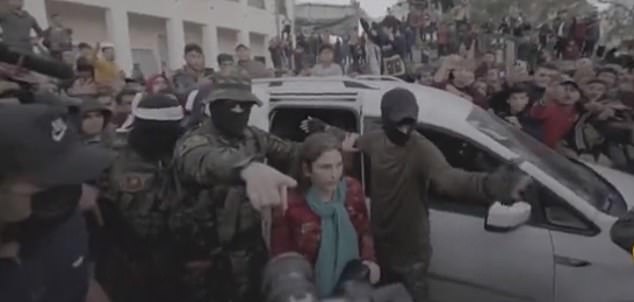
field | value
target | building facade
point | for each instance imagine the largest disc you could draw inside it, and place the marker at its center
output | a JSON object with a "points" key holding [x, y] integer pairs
{"points": [[337, 19], [153, 33]]}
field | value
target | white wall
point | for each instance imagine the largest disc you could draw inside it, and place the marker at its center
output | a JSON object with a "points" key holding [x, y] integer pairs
{"points": [[104, 20], [259, 46], [88, 23], [145, 30], [193, 33], [227, 40]]}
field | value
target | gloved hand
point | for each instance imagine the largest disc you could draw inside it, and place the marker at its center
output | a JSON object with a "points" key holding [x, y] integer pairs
{"points": [[313, 125], [355, 270], [506, 184], [374, 273]]}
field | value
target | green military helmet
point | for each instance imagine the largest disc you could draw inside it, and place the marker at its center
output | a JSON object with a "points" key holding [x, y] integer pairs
{"points": [[233, 84]]}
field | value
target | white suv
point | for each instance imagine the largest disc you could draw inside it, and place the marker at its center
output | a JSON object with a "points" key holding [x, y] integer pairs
{"points": [[561, 252]]}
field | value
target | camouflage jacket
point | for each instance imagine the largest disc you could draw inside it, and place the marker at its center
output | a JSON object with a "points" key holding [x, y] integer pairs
{"points": [[142, 194], [215, 211]]}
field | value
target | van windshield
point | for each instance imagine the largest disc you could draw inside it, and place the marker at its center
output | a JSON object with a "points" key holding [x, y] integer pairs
{"points": [[575, 176]]}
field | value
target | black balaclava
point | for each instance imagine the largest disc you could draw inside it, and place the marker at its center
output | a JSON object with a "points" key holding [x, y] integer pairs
{"points": [[399, 108], [156, 127], [154, 140], [226, 120]]}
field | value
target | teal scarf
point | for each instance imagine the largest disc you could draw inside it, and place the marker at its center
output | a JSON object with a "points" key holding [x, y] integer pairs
{"points": [[338, 243]]}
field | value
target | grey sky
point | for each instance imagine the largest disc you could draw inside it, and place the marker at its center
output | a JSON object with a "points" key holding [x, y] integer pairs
{"points": [[374, 8]]}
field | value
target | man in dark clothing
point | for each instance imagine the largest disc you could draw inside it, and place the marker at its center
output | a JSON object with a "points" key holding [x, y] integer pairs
{"points": [[225, 61], [139, 265], [58, 38], [254, 68], [404, 167], [192, 74], [392, 45], [543, 76], [16, 26], [43, 166]]}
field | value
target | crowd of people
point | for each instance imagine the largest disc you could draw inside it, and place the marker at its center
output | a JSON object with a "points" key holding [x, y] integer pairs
{"points": [[133, 188]]}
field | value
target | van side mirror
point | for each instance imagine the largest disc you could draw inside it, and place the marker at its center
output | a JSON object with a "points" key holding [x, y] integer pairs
{"points": [[502, 218]]}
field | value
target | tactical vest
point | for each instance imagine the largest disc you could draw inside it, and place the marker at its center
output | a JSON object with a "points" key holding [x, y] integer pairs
{"points": [[143, 194], [218, 218]]}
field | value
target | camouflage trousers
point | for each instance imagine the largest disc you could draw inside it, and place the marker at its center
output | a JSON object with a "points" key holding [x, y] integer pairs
{"points": [[413, 277], [411, 274], [230, 276]]}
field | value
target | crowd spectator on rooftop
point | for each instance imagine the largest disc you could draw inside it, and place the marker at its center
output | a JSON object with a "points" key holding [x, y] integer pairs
{"points": [[193, 73], [16, 24], [254, 68], [327, 66], [58, 38], [107, 71]]}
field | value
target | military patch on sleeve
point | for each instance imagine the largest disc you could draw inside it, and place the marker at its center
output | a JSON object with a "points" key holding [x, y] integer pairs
{"points": [[191, 143], [134, 182]]}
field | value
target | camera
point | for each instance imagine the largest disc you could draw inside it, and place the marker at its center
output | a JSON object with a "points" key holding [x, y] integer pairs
{"points": [[289, 278]]}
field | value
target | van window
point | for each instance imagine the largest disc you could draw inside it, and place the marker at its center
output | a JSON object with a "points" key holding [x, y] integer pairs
{"points": [[286, 120], [463, 154]]}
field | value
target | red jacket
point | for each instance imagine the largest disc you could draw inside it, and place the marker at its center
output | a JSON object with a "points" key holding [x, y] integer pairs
{"points": [[556, 119], [299, 229]]}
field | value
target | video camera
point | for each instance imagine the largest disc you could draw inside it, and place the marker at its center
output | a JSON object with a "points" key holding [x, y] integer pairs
{"points": [[289, 278]]}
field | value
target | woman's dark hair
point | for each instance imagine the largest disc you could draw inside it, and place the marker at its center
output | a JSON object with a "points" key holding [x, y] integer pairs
{"points": [[313, 147]]}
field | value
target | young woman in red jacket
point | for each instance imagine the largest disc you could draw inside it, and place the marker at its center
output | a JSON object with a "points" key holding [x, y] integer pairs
{"points": [[326, 220]]}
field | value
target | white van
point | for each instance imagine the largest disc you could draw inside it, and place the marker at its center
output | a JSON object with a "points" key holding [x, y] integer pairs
{"points": [[563, 253]]}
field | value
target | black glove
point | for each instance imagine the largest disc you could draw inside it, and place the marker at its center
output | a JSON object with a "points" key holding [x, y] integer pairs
{"points": [[506, 184], [313, 125]]}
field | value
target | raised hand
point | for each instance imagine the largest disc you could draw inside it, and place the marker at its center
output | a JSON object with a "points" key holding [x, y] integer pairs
{"points": [[266, 187], [313, 125]]}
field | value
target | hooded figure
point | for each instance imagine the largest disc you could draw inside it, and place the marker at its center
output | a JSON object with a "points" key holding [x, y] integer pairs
{"points": [[404, 167], [139, 261], [156, 127], [399, 112], [95, 118]]}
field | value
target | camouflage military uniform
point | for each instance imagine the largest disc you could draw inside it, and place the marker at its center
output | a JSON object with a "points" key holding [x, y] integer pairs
{"points": [[216, 222], [138, 265]]}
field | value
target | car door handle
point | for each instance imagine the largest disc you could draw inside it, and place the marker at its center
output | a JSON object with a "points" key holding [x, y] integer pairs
{"points": [[572, 262]]}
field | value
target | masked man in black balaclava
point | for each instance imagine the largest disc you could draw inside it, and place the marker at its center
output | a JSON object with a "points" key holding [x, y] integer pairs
{"points": [[220, 162], [142, 192], [404, 165]]}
